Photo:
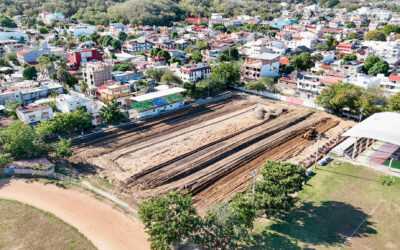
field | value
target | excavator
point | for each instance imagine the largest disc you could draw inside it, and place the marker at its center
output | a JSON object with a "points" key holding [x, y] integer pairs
{"points": [[310, 134]]}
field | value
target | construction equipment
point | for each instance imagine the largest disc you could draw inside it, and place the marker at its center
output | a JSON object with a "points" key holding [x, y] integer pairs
{"points": [[310, 134]]}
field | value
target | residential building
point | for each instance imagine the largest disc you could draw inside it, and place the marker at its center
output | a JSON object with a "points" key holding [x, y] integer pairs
{"points": [[96, 74], [69, 103], [82, 29], [137, 45], [194, 72], [119, 93], [30, 56], [4, 43], [34, 114], [346, 48], [127, 76], [79, 58], [391, 84], [47, 17], [287, 85], [8, 34], [263, 65]]}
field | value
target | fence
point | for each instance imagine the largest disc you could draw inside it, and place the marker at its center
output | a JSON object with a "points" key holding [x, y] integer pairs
{"points": [[294, 100]]}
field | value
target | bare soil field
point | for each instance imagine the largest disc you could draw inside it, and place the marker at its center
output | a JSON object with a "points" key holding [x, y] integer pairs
{"points": [[207, 150]]}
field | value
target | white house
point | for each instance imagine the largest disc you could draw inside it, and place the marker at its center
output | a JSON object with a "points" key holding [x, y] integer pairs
{"points": [[263, 65], [13, 34], [34, 114], [194, 72], [82, 29], [69, 103]]}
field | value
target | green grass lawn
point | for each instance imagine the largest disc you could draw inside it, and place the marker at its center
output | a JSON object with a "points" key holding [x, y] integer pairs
{"points": [[331, 206], [26, 227]]}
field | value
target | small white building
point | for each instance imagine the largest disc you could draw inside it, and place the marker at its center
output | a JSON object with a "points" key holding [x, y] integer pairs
{"points": [[194, 72], [34, 114], [69, 103]]}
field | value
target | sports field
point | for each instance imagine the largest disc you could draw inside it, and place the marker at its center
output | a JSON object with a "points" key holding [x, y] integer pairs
{"points": [[26, 227], [333, 204]]}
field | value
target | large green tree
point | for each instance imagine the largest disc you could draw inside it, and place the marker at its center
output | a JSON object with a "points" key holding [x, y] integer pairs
{"points": [[29, 73], [111, 113], [228, 73], [20, 140], [394, 103], [223, 227], [302, 62], [5, 159], [169, 219], [273, 192], [63, 148], [375, 35], [170, 78]]}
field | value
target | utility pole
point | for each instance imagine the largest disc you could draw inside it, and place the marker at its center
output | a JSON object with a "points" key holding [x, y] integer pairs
{"points": [[208, 86], [361, 114], [316, 153], [254, 175]]}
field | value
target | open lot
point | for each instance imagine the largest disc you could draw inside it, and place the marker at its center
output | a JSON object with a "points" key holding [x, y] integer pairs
{"points": [[206, 150], [331, 207], [26, 227]]}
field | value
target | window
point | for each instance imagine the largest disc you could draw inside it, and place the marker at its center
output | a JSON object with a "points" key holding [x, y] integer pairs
{"points": [[32, 116]]}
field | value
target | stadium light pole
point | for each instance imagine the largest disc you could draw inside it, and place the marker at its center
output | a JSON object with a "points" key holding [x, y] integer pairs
{"points": [[316, 154], [390, 165]]}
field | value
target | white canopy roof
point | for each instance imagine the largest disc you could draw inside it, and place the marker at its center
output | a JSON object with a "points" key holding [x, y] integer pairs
{"points": [[380, 126], [157, 94]]}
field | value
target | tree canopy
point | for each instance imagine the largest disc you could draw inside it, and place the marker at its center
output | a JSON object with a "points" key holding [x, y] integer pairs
{"points": [[375, 35], [169, 219], [111, 113]]}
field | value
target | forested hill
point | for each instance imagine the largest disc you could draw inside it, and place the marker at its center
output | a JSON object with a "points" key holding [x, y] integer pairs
{"points": [[152, 12]]}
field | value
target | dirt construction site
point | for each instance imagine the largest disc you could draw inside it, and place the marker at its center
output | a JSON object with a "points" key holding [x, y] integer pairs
{"points": [[208, 150]]}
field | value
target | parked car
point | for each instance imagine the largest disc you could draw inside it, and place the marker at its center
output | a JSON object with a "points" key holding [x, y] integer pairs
{"points": [[325, 161]]}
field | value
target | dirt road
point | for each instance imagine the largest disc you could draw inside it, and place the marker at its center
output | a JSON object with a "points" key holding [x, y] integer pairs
{"points": [[106, 227]]}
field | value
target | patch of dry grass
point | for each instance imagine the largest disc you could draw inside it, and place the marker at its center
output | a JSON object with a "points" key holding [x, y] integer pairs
{"points": [[25, 227]]}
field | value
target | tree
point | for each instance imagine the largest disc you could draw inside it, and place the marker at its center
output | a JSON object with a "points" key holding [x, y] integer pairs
{"points": [[348, 58], [45, 63], [65, 77], [116, 44], [94, 37], [155, 74], [375, 35], [84, 87], [122, 36], [111, 113], [255, 85], [63, 148], [11, 108], [394, 103], [20, 140], [12, 57], [228, 73], [302, 61], [7, 22], [273, 193], [223, 227], [170, 78], [369, 62], [169, 219], [337, 97], [5, 159], [350, 24], [230, 54], [388, 29], [197, 57], [174, 60], [332, 3], [381, 67], [29, 73], [44, 128]]}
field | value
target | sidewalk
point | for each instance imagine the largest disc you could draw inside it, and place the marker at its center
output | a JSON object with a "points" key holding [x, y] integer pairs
{"points": [[378, 168]]}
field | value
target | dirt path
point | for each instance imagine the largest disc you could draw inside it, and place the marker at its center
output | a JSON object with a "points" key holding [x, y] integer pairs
{"points": [[106, 227]]}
